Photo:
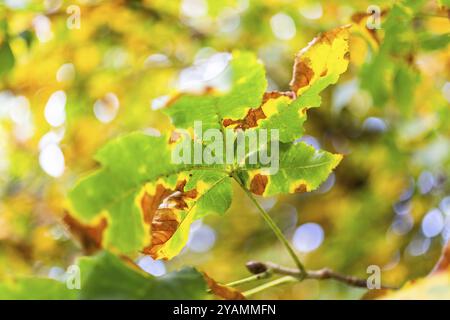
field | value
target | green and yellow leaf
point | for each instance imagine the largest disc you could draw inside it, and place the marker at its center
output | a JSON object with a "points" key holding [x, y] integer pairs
{"points": [[141, 201], [301, 169], [144, 201], [246, 106]]}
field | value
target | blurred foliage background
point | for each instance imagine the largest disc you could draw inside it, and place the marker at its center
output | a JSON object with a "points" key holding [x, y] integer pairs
{"points": [[75, 74]]}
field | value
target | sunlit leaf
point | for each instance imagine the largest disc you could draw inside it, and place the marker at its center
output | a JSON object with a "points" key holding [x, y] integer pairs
{"points": [[148, 202], [143, 201], [302, 169]]}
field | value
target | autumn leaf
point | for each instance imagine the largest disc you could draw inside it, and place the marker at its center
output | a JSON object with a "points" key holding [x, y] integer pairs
{"points": [[149, 202], [433, 287], [214, 109], [302, 169]]}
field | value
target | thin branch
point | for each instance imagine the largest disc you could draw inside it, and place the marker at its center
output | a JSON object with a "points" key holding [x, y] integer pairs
{"points": [[322, 274], [268, 285], [255, 277], [301, 269]]}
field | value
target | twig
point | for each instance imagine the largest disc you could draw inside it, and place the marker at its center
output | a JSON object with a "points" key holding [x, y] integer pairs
{"points": [[255, 277], [276, 230], [322, 274], [268, 285]]}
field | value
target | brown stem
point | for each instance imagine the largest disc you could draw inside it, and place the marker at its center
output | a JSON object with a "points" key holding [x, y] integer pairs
{"points": [[322, 274]]}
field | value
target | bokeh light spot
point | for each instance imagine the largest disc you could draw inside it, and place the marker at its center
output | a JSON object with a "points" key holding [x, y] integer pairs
{"points": [[55, 109], [201, 238], [106, 109], [154, 267], [51, 160], [308, 237], [194, 8], [283, 26], [312, 11], [432, 223], [65, 73]]}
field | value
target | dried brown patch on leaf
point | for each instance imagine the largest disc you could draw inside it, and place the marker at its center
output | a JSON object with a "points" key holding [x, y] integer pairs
{"points": [[302, 74], [164, 225], [249, 121], [90, 236], [223, 291], [330, 36], [324, 73], [302, 188], [255, 114], [258, 184], [276, 94], [161, 212]]}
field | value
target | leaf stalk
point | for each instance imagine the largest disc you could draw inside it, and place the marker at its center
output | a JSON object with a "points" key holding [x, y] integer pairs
{"points": [[276, 230]]}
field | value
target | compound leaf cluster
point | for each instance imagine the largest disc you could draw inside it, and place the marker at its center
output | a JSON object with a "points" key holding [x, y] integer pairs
{"points": [[141, 201]]}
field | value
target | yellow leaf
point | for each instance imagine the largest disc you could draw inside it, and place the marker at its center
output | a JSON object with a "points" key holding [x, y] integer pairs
{"points": [[327, 54]]}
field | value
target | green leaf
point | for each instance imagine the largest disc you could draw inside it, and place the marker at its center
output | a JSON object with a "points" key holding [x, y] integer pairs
{"points": [[431, 42], [6, 58], [28, 288], [377, 74], [302, 169], [405, 81], [129, 283], [212, 108], [106, 276]]}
